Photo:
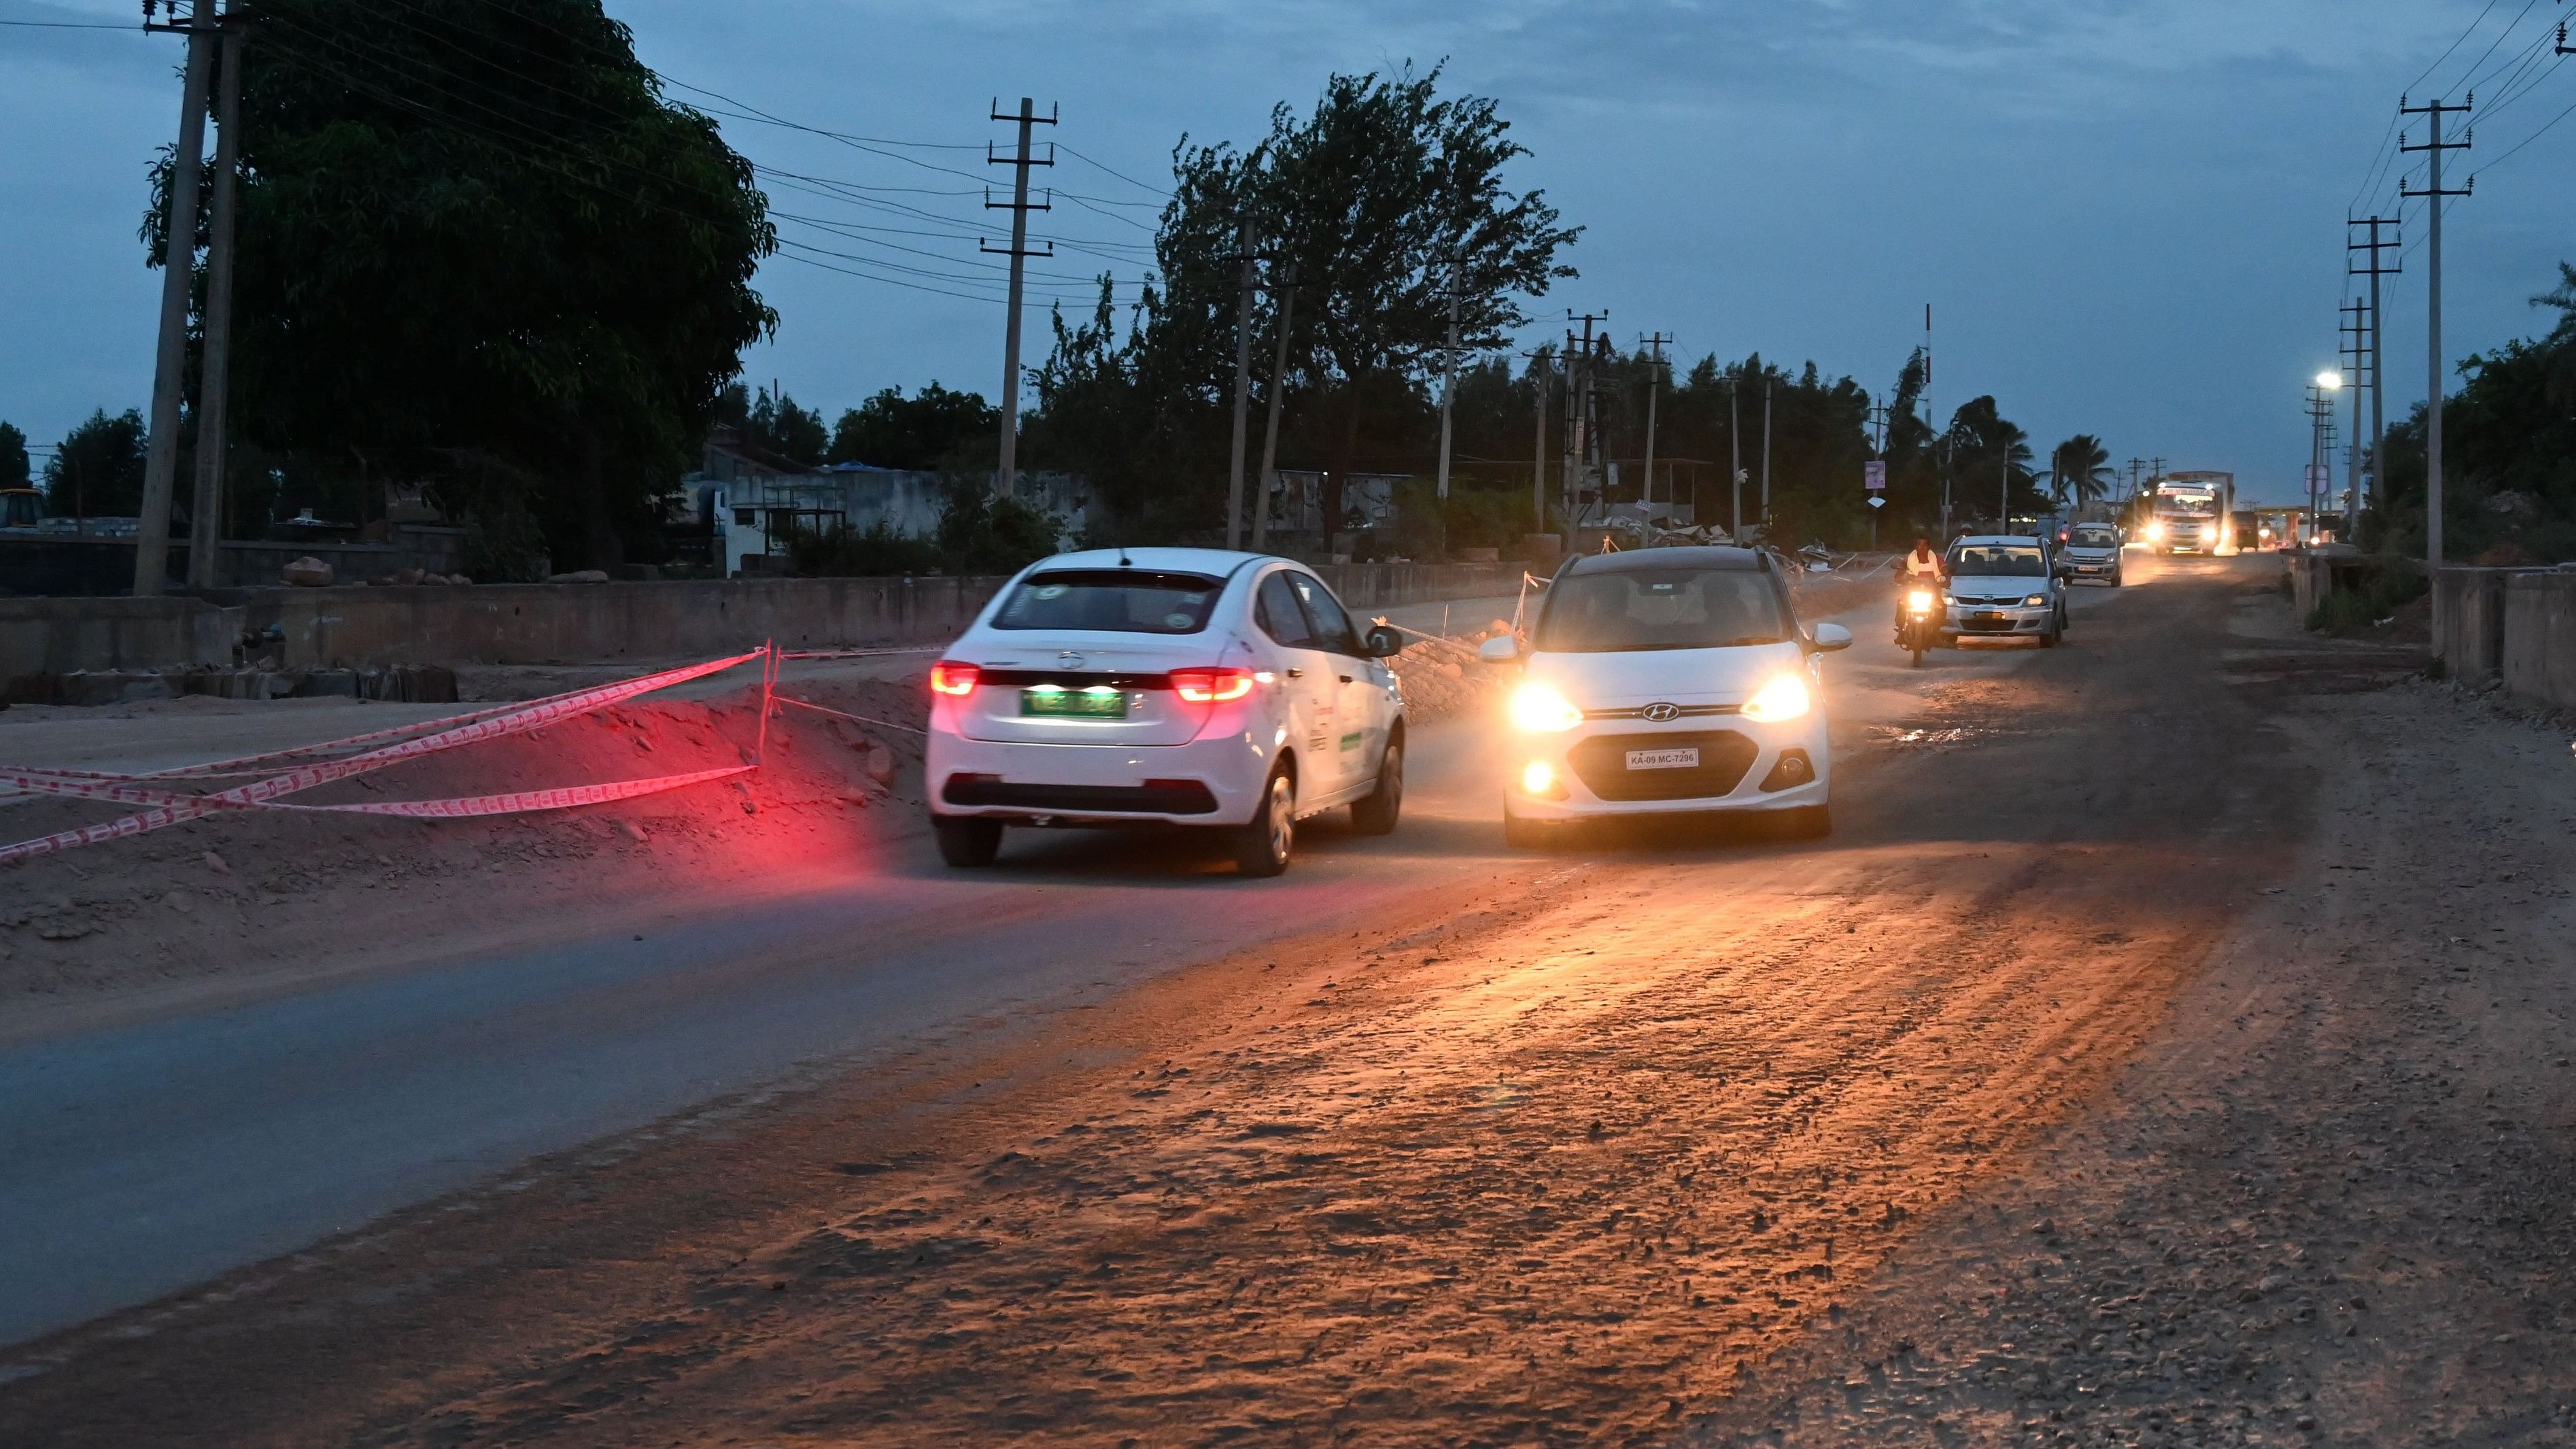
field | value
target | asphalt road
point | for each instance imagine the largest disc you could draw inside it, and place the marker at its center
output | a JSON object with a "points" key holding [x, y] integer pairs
{"points": [[148, 1158]]}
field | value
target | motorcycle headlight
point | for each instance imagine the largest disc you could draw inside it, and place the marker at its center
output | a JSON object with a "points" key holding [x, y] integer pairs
{"points": [[1783, 698], [1920, 601], [1537, 709]]}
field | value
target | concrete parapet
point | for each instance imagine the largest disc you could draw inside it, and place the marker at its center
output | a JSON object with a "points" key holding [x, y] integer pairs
{"points": [[2537, 656], [68, 635]]}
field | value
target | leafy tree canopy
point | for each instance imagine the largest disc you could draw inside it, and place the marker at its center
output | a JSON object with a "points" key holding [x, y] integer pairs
{"points": [[13, 456], [777, 424], [97, 472], [932, 429], [475, 227]]}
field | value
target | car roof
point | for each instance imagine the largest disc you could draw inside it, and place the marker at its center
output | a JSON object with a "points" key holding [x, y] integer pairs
{"points": [[1700, 556], [1214, 562], [1992, 538]]}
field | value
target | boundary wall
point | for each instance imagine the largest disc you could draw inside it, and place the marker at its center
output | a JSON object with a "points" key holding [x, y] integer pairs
{"points": [[2513, 626]]}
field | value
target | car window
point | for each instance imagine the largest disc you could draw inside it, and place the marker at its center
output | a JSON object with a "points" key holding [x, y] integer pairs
{"points": [[1676, 608], [1119, 601], [1332, 626], [1276, 610], [1990, 560]]}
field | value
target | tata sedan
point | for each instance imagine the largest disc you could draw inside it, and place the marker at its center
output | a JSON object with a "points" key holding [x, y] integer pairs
{"points": [[2004, 586], [1666, 681], [1164, 686]]}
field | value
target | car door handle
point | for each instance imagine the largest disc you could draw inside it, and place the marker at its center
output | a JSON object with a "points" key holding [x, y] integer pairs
{"points": [[1296, 674], [1345, 679]]}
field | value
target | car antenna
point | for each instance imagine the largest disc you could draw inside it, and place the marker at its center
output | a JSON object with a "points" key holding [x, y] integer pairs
{"points": [[1124, 561]]}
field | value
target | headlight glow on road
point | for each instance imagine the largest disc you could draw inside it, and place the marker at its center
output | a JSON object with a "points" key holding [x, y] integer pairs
{"points": [[1783, 698], [1540, 710]]}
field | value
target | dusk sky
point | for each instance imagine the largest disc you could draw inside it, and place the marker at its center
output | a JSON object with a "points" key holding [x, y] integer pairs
{"points": [[2127, 216]]}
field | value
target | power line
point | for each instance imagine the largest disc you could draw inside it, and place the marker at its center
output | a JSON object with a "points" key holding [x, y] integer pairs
{"points": [[1121, 175], [2454, 45]]}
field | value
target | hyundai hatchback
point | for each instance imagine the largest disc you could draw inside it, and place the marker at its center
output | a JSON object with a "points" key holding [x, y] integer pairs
{"points": [[1171, 686], [1666, 681]]}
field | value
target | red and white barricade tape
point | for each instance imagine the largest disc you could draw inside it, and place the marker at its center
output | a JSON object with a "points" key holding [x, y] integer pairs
{"points": [[170, 807]]}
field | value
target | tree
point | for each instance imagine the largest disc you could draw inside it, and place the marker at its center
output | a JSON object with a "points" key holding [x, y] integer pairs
{"points": [[2081, 466], [97, 472], [775, 424], [478, 231], [1988, 457], [926, 431], [13, 456]]}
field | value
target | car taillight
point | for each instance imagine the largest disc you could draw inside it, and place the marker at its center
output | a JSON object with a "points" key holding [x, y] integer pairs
{"points": [[1211, 686], [950, 677]]}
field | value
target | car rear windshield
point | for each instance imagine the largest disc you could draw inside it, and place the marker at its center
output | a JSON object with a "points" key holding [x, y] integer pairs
{"points": [[2094, 538], [1679, 608], [1987, 560], [1118, 601]]}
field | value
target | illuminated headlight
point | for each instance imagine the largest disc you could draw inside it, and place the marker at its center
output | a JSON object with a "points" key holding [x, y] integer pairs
{"points": [[2155, 531], [1540, 710], [1537, 778], [1783, 698], [1920, 601], [2034, 601]]}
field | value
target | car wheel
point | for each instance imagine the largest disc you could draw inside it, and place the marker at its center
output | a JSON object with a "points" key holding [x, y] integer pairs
{"points": [[1522, 834], [1375, 813], [967, 841], [1262, 844], [2115, 581], [1811, 822]]}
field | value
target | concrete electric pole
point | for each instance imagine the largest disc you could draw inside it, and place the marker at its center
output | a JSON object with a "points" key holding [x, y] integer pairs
{"points": [[2434, 192], [1542, 376], [1287, 289], [1242, 382], [178, 280], [1764, 517], [1578, 386], [1007, 476], [2356, 366], [1448, 398], [2378, 330], [1654, 347], [214, 387]]}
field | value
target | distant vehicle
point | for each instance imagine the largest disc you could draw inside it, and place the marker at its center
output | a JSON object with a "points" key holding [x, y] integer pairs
{"points": [[2092, 551], [1176, 686], [2004, 586], [21, 508], [1666, 681], [2193, 513]]}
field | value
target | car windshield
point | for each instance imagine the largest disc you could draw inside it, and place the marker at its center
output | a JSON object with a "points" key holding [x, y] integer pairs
{"points": [[1676, 608], [2188, 505], [1990, 560], [2094, 538], [1119, 601]]}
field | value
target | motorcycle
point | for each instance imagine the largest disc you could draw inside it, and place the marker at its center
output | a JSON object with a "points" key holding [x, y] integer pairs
{"points": [[1921, 628]]}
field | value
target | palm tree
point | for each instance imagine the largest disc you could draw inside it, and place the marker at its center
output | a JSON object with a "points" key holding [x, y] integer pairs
{"points": [[2084, 465]]}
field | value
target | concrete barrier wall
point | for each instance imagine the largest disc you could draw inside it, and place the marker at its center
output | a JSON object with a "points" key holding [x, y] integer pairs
{"points": [[2469, 614], [62, 636], [2537, 655]]}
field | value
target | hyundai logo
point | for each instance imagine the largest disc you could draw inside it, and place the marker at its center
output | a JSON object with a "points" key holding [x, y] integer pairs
{"points": [[1069, 660], [1661, 712]]}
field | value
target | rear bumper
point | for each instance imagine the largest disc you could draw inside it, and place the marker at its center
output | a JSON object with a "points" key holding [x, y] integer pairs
{"points": [[1204, 782]]}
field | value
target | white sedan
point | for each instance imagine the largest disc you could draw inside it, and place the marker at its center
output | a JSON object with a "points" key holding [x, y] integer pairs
{"points": [[1172, 686], [1665, 681]]}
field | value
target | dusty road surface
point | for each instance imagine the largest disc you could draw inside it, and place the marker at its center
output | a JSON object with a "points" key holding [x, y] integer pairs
{"points": [[2069, 1093]]}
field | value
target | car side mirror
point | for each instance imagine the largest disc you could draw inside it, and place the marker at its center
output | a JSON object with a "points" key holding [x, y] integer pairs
{"points": [[1501, 649], [1829, 637], [1382, 642]]}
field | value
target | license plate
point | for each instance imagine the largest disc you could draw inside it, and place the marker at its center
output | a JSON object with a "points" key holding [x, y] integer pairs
{"points": [[1099, 702], [1986, 619], [2089, 568], [1682, 759]]}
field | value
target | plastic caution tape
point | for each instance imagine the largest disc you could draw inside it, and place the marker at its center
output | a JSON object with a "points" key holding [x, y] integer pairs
{"points": [[170, 808]]}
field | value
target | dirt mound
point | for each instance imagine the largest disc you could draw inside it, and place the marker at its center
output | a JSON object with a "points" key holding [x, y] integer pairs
{"points": [[251, 897]]}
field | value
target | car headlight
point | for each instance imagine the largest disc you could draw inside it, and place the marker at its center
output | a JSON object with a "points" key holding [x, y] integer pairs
{"points": [[2034, 601], [1783, 698], [1538, 709]]}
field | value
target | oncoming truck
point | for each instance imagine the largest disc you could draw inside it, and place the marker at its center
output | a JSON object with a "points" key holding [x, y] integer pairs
{"points": [[2194, 513]]}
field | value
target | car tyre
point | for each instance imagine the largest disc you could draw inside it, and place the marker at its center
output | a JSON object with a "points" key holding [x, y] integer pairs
{"points": [[1376, 812], [1811, 822], [1263, 843], [968, 842], [1522, 834]]}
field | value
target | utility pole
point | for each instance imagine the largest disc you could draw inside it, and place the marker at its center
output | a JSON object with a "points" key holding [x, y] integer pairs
{"points": [[1579, 390], [1654, 348], [1448, 394], [2434, 193], [2356, 354], [1270, 430], [1734, 466], [2378, 329], [1019, 206], [214, 388], [1542, 376], [1242, 382], [2318, 410], [178, 279], [1764, 517]]}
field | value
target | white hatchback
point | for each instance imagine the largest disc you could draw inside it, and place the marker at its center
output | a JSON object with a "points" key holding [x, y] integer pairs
{"points": [[1174, 686], [1665, 681]]}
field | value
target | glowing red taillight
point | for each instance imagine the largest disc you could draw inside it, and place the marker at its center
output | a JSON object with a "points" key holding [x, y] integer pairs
{"points": [[950, 677], [1211, 686]]}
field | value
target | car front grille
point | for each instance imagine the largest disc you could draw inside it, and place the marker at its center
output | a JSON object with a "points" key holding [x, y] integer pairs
{"points": [[1724, 756]]}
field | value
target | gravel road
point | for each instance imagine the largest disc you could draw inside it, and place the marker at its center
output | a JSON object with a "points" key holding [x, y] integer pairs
{"points": [[2081, 1088]]}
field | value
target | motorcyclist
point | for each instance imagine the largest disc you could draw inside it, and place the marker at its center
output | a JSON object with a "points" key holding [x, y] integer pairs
{"points": [[1923, 568]]}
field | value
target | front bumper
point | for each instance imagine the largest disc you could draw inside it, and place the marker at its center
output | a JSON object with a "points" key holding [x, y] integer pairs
{"points": [[1738, 758], [1205, 782], [1988, 621], [2089, 568]]}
